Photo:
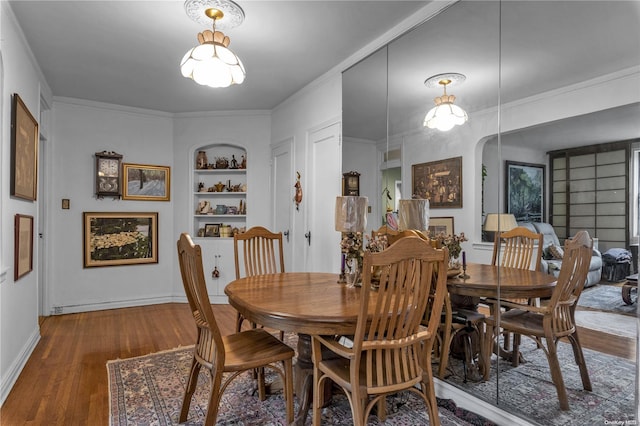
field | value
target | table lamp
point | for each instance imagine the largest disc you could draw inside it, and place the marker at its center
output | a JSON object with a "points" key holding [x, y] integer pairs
{"points": [[413, 214], [499, 222], [351, 219]]}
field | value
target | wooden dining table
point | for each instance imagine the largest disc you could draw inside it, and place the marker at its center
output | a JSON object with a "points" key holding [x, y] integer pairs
{"points": [[314, 303], [307, 303]]}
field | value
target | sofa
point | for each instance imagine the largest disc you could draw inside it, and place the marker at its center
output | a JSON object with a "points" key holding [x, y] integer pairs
{"points": [[552, 253]]}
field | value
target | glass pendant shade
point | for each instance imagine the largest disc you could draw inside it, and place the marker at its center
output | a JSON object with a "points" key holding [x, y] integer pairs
{"points": [[212, 63], [445, 115]]}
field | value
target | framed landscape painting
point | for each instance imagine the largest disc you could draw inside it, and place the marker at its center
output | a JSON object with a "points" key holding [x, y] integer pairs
{"points": [[146, 183], [440, 182], [24, 151], [524, 191], [23, 246], [116, 238]]}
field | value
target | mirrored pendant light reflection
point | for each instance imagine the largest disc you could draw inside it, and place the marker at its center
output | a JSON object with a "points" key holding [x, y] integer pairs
{"points": [[445, 115]]}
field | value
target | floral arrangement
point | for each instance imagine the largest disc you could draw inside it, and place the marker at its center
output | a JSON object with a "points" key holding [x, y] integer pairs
{"points": [[351, 245], [377, 243], [451, 242]]}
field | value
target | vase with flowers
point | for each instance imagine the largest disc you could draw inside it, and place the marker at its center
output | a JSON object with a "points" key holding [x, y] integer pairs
{"points": [[353, 251], [452, 243], [375, 244]]}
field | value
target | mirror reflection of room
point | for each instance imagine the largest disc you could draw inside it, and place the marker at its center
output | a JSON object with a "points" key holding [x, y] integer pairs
{"points": [[543, 150]]}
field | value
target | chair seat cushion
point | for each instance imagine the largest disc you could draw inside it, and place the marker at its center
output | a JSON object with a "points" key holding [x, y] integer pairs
{"points": [[253, 348]]}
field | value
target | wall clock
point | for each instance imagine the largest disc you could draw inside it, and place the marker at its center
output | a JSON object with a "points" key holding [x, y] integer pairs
{"points": [[351, 183], [108, 174]]}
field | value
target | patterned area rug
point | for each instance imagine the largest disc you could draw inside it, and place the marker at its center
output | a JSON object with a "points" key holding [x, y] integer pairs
{"points": [[148, 390], [606, 298], [527, 390]]}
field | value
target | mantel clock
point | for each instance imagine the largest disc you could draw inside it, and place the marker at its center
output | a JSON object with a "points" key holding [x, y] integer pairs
{"points": [[108, 174]]}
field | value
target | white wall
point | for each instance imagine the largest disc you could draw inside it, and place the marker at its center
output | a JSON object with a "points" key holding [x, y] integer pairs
{"points": [[80, 129], [316, 105], [18, 300]]}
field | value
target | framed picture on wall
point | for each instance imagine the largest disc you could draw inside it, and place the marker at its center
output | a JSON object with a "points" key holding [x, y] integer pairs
{"points": [[146, 183], [524, 191], [23, 246], [440, 182], [440, 225], [116, 238], [24, 151]]}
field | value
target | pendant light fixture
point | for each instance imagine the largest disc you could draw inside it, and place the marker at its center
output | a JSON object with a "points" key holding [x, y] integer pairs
{"points": [[445, 115], [212, 63]]}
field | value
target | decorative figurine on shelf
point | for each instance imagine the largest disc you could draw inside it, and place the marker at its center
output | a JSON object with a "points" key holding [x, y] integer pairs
{"points": [[201, 187], [216, 272], [234, 162], [298, 186], [204, 207], [201, 160], [243, 162]]}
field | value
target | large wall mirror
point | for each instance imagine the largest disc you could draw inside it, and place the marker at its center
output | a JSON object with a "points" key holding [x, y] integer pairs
{"points": [[552, 92]]}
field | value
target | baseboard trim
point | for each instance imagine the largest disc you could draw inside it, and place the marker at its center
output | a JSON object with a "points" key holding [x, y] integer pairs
{"points": [[477, 405], [18, 364], [129, 303]]}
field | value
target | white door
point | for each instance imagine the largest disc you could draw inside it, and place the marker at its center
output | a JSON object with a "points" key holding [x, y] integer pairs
{"points": [[325, 176], [283, 191]]}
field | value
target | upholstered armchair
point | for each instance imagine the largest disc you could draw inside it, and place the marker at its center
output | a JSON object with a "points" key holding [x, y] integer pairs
{"points": [[551, 264]]}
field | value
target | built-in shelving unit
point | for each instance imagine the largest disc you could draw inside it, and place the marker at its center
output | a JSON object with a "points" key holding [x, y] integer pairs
{"points": [[220, 190]]}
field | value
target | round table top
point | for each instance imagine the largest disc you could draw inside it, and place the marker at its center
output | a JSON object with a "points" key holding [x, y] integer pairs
{"points": [[514, 283], [302, 302]]}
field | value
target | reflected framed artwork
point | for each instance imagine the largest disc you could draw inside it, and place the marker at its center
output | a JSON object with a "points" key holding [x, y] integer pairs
{"points": [[441, 225], [524, 191], [115, 238], [146, 183], [24, 151], [23, 246], [440, 182]]}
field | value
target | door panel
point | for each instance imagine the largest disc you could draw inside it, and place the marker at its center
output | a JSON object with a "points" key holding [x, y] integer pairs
{"points": [[283, 181]]}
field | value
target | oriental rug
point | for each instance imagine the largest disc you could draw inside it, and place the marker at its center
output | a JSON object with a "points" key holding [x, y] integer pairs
{"points": [[528, 392], [606, 298], [148, 390]]}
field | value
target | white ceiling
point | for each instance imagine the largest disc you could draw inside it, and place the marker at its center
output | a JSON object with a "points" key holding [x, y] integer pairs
{"points": [[129, 52]]}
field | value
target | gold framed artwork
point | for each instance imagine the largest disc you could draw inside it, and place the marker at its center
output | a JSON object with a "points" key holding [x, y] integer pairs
{"points": [[440, 182], [146, 183], [441, 225], [212, 229], [116, 238], [23, 246], [24, 151]]}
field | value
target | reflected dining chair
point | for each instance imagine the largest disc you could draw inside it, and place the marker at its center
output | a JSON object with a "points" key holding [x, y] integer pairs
{"points": [[518, 248], [391, 351], [555, 320], [219, 354]]}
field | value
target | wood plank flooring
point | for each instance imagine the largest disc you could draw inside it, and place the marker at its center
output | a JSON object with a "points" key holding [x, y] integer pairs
{"points": [[65, 380]]}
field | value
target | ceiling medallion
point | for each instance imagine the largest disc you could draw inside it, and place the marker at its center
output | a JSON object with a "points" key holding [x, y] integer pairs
{"points": [[233, 13]]}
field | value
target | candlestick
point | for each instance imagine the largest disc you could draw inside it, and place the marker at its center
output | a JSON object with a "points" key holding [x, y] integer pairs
{"points": [[464, 259], [343, 277]]}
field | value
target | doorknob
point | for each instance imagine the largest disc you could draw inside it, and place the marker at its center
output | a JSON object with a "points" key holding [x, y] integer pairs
{"points": [[308, 237], [286, 234]]}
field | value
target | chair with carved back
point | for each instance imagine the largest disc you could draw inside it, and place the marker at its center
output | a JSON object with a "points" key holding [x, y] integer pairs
{"points": [[391, 350], [257, 251], [549, 323], [234, 354], [517, 248]]}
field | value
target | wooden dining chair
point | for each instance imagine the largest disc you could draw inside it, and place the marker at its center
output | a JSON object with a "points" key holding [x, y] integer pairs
{"points": [[391, 350], [522, 249], [219, 354], [518, 248], [547, 324], [257, 251]]}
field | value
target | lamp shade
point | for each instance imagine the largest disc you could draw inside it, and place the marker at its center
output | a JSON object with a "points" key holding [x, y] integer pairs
{"points": [[351, 214], [500, 222], [413, 214], [445, 115], [212, 63]]}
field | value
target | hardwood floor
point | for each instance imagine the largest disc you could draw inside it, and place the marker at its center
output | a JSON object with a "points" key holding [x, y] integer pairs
{"points": [[65, 380]]}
